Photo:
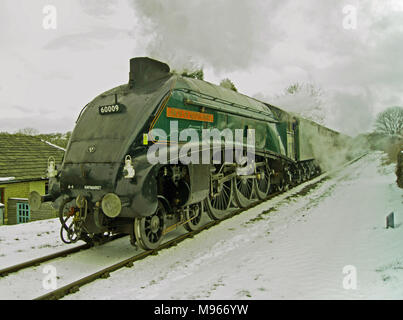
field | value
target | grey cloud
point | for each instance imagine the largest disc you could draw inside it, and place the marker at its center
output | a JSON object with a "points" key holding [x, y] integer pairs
{"points": [[21, 108], [99, 8], [43, 125], [351, 112], [361, 70], [57, 76], [91, 40], [226, 34], [262, 45]]}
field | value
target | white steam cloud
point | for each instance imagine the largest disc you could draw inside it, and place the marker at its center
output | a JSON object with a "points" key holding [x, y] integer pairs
{"points": [[224, 34]]}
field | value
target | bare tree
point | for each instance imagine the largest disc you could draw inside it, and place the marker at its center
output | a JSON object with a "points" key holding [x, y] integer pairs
{"points": [[390, 121], [196, 73], [308, 88], [28, 132], [305, 99], [227, 83], [294, 88]]}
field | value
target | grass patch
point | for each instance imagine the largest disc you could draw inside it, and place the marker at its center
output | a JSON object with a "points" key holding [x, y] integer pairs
{"points": [[397, 265], [261, 216]]}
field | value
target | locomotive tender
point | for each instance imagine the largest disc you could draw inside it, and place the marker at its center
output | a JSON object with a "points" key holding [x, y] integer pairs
{"points": [[106, 183]]}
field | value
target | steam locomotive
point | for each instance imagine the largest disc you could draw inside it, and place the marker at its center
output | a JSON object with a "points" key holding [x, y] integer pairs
{"points": [[108, 182]]}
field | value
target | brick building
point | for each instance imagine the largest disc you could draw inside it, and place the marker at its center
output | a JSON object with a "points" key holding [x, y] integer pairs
{"points": [[23, 166]]}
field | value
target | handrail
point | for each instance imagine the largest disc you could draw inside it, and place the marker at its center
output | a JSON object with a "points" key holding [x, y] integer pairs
{"points": [[261, 117]]}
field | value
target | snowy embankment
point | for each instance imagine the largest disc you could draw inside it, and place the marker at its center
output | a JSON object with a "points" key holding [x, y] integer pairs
{"points": [[20, 243], [292, 247]]}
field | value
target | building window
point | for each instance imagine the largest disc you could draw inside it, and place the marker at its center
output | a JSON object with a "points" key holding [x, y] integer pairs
{"points": [[23, 212]]}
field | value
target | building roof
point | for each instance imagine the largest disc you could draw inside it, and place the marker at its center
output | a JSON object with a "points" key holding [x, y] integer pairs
{"points": [[25, 157]]}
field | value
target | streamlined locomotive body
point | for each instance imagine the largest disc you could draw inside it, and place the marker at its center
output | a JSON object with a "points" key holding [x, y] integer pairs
{"points": [[111, 182]]}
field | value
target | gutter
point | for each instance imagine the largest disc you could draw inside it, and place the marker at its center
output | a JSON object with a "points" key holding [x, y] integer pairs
{"points": [[3, 181]]}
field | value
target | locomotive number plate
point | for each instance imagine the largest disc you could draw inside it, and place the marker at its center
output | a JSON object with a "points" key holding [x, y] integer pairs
{"points": [[112, 108]]}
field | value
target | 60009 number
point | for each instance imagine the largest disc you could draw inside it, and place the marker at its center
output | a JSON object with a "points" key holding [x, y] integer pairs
{"points": [[114, 108]]}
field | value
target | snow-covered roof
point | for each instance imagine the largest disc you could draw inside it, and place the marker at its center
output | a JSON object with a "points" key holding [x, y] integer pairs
{"points": [[25, 157], [53, 145]]}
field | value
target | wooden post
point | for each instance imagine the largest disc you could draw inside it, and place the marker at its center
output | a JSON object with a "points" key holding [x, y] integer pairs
{"points": [[390, 221]]}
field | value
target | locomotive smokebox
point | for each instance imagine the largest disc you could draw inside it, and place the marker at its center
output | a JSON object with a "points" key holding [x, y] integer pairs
{"points": [[145, 70]]}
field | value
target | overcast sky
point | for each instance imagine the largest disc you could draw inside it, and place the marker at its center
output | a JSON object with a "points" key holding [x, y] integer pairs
{"points": [[48, 75]]}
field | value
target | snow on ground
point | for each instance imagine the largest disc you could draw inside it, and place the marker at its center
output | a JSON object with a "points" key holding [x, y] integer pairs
{"points": [[292, 247], [28, 283], [20, 243]]}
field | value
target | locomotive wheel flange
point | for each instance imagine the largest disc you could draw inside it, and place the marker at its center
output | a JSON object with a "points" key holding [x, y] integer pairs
{"points": [[149, 231], [244, 191], [219, 199], [194, 214], [285, 182], [297, 176], [262, 182]]}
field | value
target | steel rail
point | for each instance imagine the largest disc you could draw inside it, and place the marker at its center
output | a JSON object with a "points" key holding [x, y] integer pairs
{"points": [[105, 273], [61, 254]]}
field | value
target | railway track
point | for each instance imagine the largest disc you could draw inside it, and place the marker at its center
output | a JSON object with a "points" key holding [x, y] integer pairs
{"points": [[61, 254], [129, 262]]}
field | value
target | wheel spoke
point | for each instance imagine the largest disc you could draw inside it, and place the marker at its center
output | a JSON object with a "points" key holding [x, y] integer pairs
{"points": [[218, 205], [262, 184], [194, 214], [149, 231]]}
